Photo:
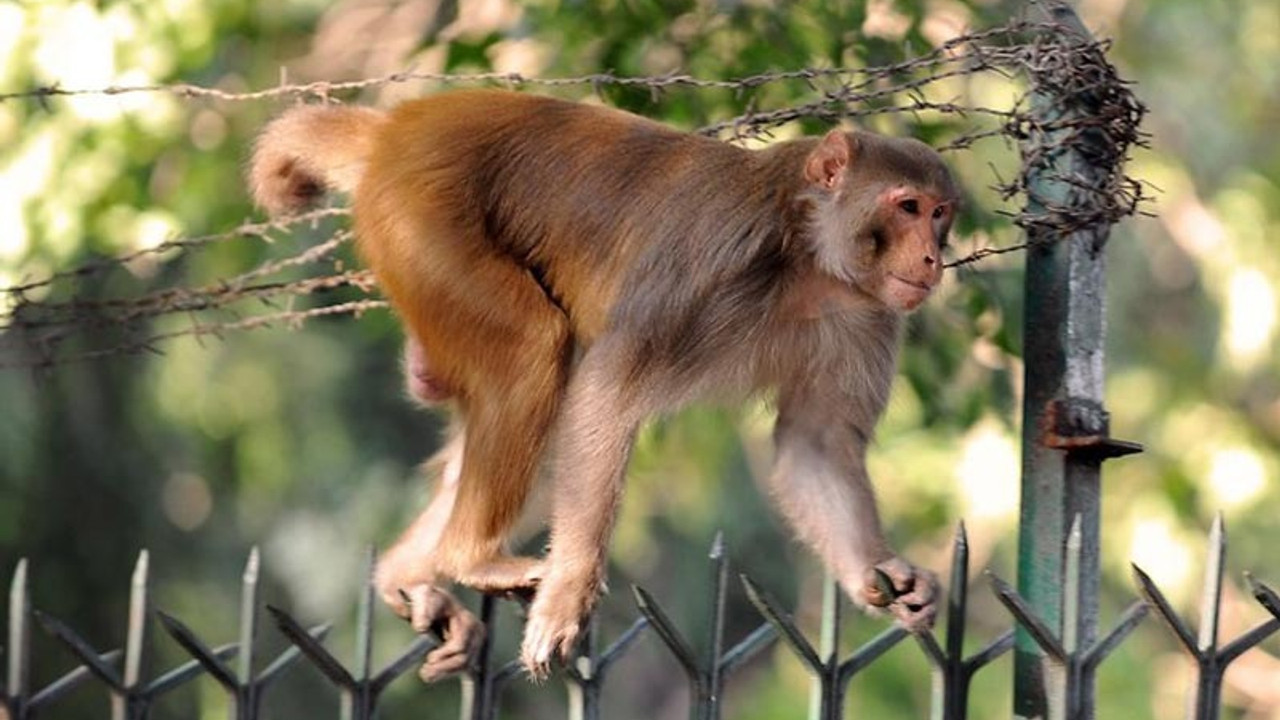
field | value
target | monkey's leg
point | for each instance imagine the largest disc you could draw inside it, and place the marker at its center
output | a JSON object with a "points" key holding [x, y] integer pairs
{"points": [[406, 582], [592, 448], [820, 484], [493, 338], [509, 415]]}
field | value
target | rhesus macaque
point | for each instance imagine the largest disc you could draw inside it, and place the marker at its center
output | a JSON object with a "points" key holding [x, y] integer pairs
{"points": [[565, 271]]}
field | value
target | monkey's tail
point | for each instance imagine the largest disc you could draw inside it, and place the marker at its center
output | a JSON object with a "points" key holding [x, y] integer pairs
{"points": [[308, 151]]}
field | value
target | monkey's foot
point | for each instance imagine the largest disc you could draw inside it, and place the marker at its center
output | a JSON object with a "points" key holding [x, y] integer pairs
{"points": [[430, 609], [555, 623], [908, 592], [505, 575]]}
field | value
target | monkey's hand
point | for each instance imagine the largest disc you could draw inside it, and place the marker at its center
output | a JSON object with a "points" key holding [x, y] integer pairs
{"points": [[430, 609], [908, 592], [555, 621]]}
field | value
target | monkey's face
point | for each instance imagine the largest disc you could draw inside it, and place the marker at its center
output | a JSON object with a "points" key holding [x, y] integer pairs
{"points": [[887, 242], [908, 233]]}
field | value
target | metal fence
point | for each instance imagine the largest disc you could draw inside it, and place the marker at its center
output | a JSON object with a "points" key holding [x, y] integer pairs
{"points": [[1068, 662]]}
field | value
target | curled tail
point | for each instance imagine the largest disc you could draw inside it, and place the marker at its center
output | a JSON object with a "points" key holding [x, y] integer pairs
{"points": [[308, 151]]}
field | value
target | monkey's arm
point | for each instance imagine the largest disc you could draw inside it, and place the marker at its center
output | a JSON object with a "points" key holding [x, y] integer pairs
{"points": [[820, 484]]}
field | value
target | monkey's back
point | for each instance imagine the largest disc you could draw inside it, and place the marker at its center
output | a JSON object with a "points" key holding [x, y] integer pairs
{"points": [[597, 204]]}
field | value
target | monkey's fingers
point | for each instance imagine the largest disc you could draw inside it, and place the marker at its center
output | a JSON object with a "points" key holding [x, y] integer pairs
{"points": [[433, 610], [917, 609], [462, 640]]}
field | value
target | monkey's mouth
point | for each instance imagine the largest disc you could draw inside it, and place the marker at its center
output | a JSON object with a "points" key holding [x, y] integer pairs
{"points": [[918, 285], [906, 294]]}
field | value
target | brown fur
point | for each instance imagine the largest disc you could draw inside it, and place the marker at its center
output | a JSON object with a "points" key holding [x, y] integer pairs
{"points": [[514, 233]]}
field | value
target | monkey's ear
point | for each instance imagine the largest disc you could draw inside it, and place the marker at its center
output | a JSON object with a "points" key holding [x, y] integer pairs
{"points": [[828, 162]]}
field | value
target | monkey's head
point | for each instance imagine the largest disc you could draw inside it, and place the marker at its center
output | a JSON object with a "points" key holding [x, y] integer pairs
{"points": [[882, 212]]}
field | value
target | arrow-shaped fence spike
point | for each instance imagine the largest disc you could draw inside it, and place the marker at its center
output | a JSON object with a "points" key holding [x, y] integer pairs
{"points": [[185, 672], [198, 650], [667, 631], [319, 656], [1166, 612], [290, 655], [81, 649], [1264, 594], [767, 607], [1027, 619], [957, 593]]}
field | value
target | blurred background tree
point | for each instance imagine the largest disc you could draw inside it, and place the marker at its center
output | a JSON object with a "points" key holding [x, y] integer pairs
{"points": [[301, 441]]}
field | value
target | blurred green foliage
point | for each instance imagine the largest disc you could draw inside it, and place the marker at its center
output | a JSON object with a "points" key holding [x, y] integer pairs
{"points": [[301, 441]]}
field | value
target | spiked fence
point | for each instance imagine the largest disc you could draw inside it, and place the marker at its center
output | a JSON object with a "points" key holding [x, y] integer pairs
{"points": [[1069, 666]]}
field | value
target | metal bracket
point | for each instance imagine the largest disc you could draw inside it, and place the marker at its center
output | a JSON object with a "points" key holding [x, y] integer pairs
{"points": [[1081, 426]]}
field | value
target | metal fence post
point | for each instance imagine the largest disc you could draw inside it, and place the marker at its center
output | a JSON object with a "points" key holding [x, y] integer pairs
{"points": [[1065, 434]]}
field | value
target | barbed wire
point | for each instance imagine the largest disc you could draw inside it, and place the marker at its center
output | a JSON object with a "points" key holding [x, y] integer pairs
{"points": [[48, 321]]}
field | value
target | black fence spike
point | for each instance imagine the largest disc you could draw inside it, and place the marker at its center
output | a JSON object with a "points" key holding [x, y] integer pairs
{"points": [[324, 661], [958, 592], [184, 673], [671, 637], [1028, 619], [1166, 612], [200, 652], [1263, 594], [289, 656], [783, 623], [89, 657]]}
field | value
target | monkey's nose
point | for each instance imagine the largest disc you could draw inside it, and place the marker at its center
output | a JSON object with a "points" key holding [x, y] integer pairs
{"points": [[930, 260]]}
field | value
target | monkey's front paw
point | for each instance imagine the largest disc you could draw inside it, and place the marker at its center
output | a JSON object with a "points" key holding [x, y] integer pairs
{"points": [[430, 609], [910, 593], [554, 625]]}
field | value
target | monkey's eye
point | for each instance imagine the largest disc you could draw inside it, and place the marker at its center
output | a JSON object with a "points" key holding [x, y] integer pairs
{"points": [[938, 212], [909, 206]]}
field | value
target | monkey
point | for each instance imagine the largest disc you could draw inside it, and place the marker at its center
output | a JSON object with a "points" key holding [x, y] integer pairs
{"points": [[566, 271]]}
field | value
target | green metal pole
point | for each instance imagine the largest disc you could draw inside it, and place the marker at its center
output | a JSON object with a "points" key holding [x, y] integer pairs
{"points": [[1065, 426]]}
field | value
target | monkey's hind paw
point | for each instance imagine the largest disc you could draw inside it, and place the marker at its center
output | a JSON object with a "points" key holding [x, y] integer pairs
{"points": [[430, 609], [544, 641], [908, 592]]}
